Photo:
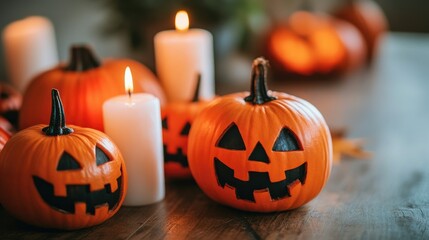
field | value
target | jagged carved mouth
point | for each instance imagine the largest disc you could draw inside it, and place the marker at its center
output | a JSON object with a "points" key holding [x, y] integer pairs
{"points": [[259, 181], [178, 157], [77, 194]]}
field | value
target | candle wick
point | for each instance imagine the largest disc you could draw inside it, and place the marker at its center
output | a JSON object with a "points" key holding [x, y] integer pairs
{"points": [[129, 93]]}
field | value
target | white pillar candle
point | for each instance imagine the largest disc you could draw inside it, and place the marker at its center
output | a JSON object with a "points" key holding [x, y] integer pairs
{"points": [[30, 49], [134, 123], [180, 56]]}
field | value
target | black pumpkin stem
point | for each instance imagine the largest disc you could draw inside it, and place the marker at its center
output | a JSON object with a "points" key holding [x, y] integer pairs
{"points": [[82, 59], [197, 89], [258, 91], [57, 124]]}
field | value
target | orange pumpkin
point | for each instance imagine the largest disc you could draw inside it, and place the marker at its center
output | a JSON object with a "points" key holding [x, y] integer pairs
{"points": [[260, 151], [368, 17], [177, 118], [61, 177], [85, 85], [310, 43]]}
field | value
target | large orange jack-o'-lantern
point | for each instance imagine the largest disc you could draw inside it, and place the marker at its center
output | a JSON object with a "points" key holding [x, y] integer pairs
{"points": [[260, 151], [61, 177]]}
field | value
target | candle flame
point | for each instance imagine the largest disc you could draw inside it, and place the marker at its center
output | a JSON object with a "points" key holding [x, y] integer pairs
{"points": [[182, 20], [128, 79]]}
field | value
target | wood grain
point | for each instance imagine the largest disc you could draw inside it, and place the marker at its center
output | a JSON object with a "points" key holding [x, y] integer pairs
{"points": [[383, 198]]}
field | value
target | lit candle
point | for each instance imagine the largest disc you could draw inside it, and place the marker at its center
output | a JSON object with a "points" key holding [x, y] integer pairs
{"points": [[180, 56], [133, 121], [30, 49]]}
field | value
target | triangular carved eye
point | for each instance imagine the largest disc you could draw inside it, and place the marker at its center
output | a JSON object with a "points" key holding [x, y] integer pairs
{"points": [[286, 141], [101, 157], [164, 123], [185, 130], [67, 162], [231, 139]]}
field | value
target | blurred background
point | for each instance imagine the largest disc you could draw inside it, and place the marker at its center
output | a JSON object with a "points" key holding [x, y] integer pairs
{"points": [[125, 28]]}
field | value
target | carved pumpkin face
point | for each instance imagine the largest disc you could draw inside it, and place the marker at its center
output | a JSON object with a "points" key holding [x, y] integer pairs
{"points": [[176, 123], [177, 118], [261, 152], [65, 179], [277, 179]]}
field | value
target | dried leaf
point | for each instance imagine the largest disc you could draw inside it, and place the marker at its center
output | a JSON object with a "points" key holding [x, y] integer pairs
{"points": [[344, 147]]}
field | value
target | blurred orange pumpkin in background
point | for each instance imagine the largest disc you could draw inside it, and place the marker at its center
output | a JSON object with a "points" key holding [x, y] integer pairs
{"points": [[368, 17], [309, 43]]}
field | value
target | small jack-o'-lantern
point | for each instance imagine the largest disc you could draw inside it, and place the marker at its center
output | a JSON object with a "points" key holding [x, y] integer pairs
{"points": [[177, 118], [260, 151], [61, 177], [85, 84], [310, 43], [368, 17]]}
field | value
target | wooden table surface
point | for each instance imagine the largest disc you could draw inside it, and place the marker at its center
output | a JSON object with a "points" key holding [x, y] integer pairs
{"points": [[386, 197]]}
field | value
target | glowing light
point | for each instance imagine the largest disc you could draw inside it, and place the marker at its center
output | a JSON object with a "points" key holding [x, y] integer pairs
{"points": [[128, 80], [182, 20]]}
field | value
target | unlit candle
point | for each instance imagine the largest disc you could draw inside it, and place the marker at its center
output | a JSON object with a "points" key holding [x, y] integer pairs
{"points": [[30, 49]]}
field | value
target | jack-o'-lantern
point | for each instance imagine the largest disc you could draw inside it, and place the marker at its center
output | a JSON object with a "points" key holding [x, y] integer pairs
{"points": [[85, 84], [368, 17], [260, 151], [58, 176], [310, 43], [177, 118]]}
